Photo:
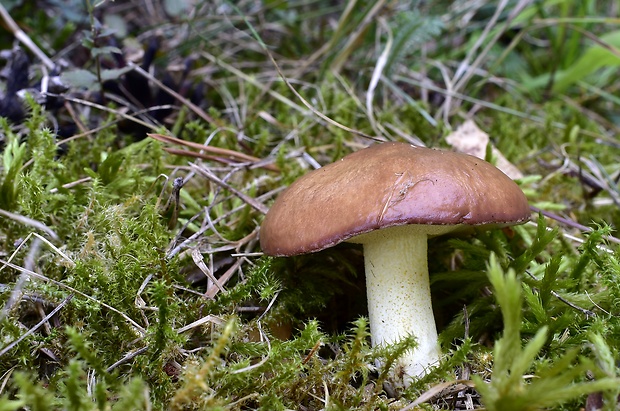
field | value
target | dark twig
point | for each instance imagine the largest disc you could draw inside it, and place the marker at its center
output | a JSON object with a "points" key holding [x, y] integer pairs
{"points": [[584, 311], [571, 223]]}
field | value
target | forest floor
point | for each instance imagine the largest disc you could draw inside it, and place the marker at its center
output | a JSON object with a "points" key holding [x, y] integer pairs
{"points": [[144, 142]]}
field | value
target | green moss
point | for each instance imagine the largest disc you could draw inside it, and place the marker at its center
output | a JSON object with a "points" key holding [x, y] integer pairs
{"points": [[130, 255]]}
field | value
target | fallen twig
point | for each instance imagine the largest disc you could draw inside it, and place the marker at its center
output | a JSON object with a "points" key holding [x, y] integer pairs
{"points": [[227, 154]]}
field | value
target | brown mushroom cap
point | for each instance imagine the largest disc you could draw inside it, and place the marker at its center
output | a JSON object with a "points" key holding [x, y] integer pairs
{"points": [[386, 185]]}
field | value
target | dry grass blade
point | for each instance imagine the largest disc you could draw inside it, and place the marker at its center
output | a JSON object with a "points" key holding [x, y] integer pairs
{"points": [[15, 295], [72, 184], [37, 326], [299, 96], [30, 222], [246, 199], [226, 156], [22, 37], [437, 390], [208, 319], [314, 110], [200, 112], [105, 109], [257, 164], [354, 39], [467, 70], [254, 82], [197, 257], [604, 180], [127, 357], [213, 290], [33, 274], [376, 76]]}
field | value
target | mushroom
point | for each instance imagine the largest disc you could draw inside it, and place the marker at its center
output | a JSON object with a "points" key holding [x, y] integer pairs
{"points": [[390, 198]]}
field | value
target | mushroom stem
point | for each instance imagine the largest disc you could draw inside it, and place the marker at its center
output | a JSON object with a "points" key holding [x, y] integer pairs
{"points": [[399, 297]]}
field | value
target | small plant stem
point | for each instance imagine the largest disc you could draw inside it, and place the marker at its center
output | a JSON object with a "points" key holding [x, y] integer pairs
{"points": [[37, 326], [95, 33]]}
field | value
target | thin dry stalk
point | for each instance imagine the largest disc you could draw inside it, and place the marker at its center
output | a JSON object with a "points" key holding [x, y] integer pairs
{"points": [[23, 278], [438, 390], [33, 274], [29, 222], [221, 155], [31, 331], [261, 208], [24, 39], [355, 38], [105, 109], [466, 70], [374, 81], [200, 112], [197, 257]]}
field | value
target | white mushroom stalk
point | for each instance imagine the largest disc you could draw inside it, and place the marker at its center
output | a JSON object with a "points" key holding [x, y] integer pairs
{"points": [[398, 292]]}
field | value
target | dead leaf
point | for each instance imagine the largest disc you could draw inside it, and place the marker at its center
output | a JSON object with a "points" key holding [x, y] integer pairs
{"points": [[469, 139]]}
